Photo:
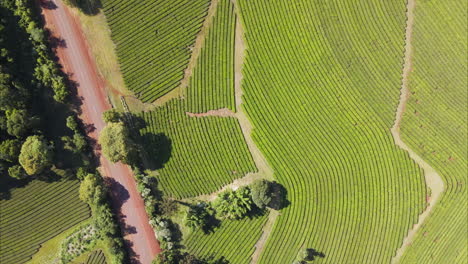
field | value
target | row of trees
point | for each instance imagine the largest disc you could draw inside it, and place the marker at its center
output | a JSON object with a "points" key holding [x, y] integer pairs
{"points": [[24, 148]]}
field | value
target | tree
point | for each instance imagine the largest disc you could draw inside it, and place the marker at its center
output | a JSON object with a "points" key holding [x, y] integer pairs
{"points": [[168, 207], [197, 216], [72, 124], [116, 143], [233, 204], [10, 150], [88, 187], [16, 172], [111, 116], [261, 193], [35, 155], [18, 122]]}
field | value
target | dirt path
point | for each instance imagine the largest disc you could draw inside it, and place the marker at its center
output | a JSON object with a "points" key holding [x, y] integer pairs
{"points": [[433, 180], [75, 56], [266, 230], [223, 112]]}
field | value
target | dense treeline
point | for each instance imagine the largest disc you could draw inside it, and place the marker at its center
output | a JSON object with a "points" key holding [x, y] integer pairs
{"points": [[27, 71], [40, 134]]}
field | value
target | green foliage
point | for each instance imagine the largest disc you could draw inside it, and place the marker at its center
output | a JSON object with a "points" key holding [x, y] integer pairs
{"points": [[153, 47], [17, 172], [10, 150], [117, 144], [88, 187], [233, 204], [261, 193], [18, 122], [72, 124], [112, 116], [96, 257], [197, 216], [168, 207], [36, 155]]}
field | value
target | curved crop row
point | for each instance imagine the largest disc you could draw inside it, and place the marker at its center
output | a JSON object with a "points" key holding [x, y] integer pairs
{"points": [[154, 40], [194, 156], [435, 126], [212, 83], [36, 213], [234, 240], [321, 84]]}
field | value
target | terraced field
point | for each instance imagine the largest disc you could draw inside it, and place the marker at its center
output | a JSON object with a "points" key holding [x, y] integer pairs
{"points": [[212, 83], [194, 155], [36, 213], [154, 40], [435, 125], [321, 84], [234, 240]]}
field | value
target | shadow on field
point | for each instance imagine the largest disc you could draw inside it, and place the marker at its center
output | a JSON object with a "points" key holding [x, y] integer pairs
{"points": [[312, 254], [158, 148]]}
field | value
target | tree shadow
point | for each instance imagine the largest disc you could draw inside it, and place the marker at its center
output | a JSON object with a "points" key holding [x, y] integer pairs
{"points": [[47, 4], [7, 184], [212, 223], [278, 197], [119, 194], [312, 254], [159, 149]]}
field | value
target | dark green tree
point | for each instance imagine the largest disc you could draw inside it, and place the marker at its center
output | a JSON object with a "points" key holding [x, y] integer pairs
{"points": [[10, 150], [261, 193]]}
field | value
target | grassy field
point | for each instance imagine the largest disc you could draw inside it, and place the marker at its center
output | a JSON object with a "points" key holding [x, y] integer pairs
{"points": [[36, 213], [154, 41], [321, 84], [193, 155], [435, 125], [212, 83], [234, 240]]}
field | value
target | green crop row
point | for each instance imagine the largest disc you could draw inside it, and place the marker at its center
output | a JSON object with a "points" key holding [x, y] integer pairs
{"points": [[212, 83], [193, 155], [435, 125], [96, 257], [321, 85], [154, 41], [34, 214], [234, 240]]}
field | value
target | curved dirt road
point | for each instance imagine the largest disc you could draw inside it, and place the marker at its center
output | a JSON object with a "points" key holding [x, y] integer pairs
{"points": [[75, 58]]}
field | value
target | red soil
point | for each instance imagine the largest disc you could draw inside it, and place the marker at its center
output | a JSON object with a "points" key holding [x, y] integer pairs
{"points": [[74, 56]]}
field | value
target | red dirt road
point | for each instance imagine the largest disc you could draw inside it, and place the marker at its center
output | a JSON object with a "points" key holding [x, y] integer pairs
{"points": [[75, 58]]}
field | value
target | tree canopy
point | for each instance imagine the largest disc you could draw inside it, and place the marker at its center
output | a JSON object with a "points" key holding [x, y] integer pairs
{"points": [[116, 143], [36, 155], [261, 193]]}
